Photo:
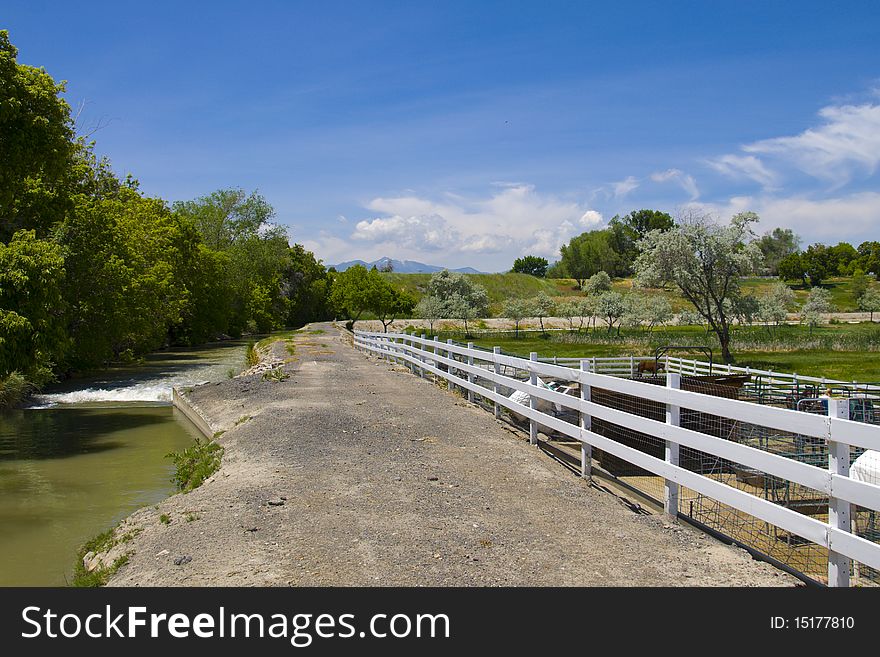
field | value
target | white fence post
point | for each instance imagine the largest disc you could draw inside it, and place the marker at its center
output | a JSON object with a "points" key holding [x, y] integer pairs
{"points": [[839, 511], [673, 417], [422, 357], [436, 363], [470, 376], [533, 401], [495, 353], [450, 369], [587, 424]]}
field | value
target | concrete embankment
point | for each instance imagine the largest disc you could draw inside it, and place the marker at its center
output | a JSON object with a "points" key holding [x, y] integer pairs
{"points": [[354, 472]]}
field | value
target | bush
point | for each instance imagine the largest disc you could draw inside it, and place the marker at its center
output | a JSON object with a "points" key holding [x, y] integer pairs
{"points": [[13, 389], [195, 464], [252, 356]]}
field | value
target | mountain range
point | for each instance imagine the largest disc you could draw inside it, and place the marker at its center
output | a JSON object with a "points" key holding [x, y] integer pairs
{"points": [[403, 266]]}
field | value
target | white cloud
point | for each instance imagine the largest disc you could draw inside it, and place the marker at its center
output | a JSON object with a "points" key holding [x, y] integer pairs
{"points": [[624, 187], [685, 181], [427, 232], [845, 145], [590, 219], [849, 217], [512, 220], [744, 166]]}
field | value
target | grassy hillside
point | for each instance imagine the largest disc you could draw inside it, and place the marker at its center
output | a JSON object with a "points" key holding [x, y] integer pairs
{"points": [[522, 286], [500, 287]]}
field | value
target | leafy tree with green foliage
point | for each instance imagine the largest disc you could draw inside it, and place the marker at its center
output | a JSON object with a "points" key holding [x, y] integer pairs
{"points": [[37, 146], [557, 270], [590, 253], [706, 261], [390, 304], [842, 259], [531, 265], [32, 330], [746, 309], [240, 225], [859, 284], [123, 284], [777, 245], [306, 284], [587, 309], [791, 268], [869, 258], [353, 291], [627, 231]]}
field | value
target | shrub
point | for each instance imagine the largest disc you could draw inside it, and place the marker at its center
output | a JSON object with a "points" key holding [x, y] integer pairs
{"points": [[195, 464]]}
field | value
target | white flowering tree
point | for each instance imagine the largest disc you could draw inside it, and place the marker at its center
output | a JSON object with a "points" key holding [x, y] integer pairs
{"points": [[706, 262]]}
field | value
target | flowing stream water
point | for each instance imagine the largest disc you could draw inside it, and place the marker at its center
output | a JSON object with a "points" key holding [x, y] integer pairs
{"points": [[88, 452]]}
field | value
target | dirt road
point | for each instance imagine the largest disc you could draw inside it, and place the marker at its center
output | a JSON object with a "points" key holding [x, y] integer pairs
{"points": [[351, 472]]}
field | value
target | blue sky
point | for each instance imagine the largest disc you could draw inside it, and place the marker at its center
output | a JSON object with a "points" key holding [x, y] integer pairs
{"points": [[469, 133]]}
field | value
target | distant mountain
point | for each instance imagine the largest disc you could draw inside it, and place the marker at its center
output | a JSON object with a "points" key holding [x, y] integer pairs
{"points": [[403, 266]]}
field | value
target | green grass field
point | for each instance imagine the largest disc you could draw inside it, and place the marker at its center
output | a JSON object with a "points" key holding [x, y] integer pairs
{"points": [[839, 351], [501, 287]]}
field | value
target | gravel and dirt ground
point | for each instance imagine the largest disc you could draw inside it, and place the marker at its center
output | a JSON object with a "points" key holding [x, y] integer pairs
{"points": [[355, 472]]}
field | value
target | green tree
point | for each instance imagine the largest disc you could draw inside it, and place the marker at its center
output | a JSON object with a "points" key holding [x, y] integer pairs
{"points": [[777, 245], [306, 284], [869, 258], [818, 263], [124, 285], [627, 231], [706, 261], [859, 284], [390, 304], [37, 146], [240, 225], [531, 265], [590, 253], [353, 292], [791, 268], [32, 331]]}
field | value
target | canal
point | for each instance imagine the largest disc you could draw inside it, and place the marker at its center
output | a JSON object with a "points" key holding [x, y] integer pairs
{"points": [[86, 453]]}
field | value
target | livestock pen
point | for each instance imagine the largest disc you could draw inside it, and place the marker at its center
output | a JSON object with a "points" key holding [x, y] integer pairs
{"points": [[773, 479]]}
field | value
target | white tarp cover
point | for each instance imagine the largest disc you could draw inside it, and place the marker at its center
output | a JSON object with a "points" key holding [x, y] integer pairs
{"points": [[866, 468]]}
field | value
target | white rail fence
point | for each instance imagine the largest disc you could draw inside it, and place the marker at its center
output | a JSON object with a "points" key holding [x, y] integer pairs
{"points": [[628, 366], [463, 366]]}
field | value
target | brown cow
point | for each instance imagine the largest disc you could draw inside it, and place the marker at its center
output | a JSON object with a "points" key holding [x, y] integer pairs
{"points": [[650, 366]]}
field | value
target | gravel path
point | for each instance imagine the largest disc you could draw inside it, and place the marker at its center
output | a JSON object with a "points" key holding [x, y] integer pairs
{"points": [[353, 472]]}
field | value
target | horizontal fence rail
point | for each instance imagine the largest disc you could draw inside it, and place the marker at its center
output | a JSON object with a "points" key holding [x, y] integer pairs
{"points": [[485, 374]]}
